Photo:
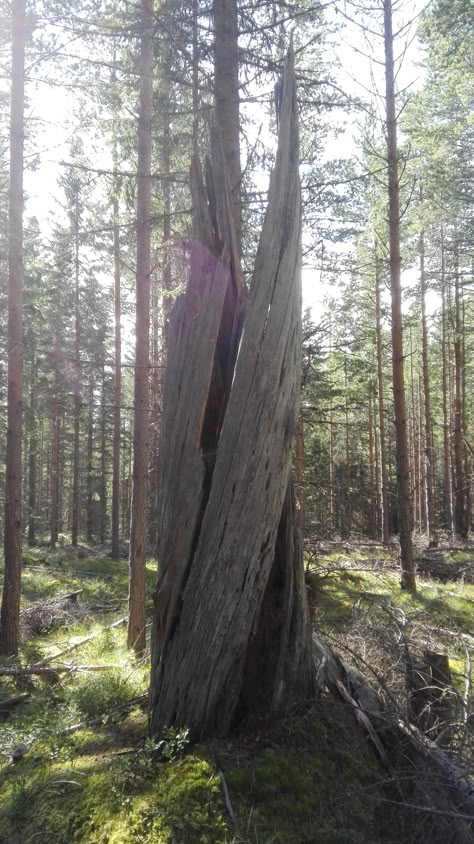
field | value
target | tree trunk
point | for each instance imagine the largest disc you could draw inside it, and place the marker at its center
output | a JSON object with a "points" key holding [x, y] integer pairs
{"points": [[154, 425], [10, 610], [196, 99], [347, 475], [117, 369], [403, 473], [54, 473], [231, 632], [448, 498], [90, 466], [460, 510], [136, 596], [33, 458], [77, 387], [299, 472], [467, 462], [421, 453], [227, 104], [430, 489], [383, 463], [372, 479], [103, 461], [415, 472]]}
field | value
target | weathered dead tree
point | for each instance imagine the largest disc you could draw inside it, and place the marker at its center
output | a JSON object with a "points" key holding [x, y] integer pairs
{"points": [[231, 633]]}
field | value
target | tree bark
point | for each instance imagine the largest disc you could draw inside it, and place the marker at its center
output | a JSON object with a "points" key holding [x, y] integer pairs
{"points": [[103, 460], [381, 407], [77, 385], [32, 458], [227, 104], [231, 632], [117, 367], [430, 489], [460, 509], [54, 473], [403, 473], [448, 498], [372, 479], [136, 595], [90, 466], [299, 472], [10, 610]]}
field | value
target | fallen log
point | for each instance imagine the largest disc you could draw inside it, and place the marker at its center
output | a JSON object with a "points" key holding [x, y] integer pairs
{"points": [[398, 736]]}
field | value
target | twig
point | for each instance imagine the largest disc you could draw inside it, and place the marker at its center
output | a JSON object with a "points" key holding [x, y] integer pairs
{"points": [[228, 803], [82, 642]]}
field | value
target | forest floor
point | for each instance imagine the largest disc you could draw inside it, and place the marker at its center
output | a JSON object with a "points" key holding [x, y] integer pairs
{"points": [[76, 764]]}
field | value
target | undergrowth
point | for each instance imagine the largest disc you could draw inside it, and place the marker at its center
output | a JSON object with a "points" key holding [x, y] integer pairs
{"points": [[88, 773]]}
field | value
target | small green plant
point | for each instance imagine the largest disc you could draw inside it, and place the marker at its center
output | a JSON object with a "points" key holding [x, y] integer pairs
{"points": [[103, 694], [173, 743]]}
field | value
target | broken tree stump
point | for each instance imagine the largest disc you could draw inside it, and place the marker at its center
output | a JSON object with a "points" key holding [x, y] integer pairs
{"points": [[430, 693], [231, 633]]}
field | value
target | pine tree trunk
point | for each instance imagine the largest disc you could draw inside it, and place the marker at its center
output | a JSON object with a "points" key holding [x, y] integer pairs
{"points": [[77, 388], [299, 471], [381, 407], [40, 505], [460, 510], [10, 609], [448, 498], [372, 494], [166, 163], [403, 473], [54, 473], [413, 440], [196, 99], [103, 461], [231, 634], [378, 479], [90, 467], [421, 455], [136, 596], [347, 475], [33, 458], [154, 425], [227, 104], [467, 461], [429, 453], [117, 370]]}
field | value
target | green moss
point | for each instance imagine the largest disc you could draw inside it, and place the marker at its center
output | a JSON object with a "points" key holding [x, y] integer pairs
{"points": [[92, 800], [293, 794]]}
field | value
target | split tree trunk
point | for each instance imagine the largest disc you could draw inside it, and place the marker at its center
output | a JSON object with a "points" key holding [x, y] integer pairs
{"points": [[10, 611], [231, 631], [136, 595], [403, 472]]}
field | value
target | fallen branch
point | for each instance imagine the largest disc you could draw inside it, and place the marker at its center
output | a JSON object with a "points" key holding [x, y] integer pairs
{"points": [[227, 800], [333, 674], [39, 670], [83, 641], [11, 702]]}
